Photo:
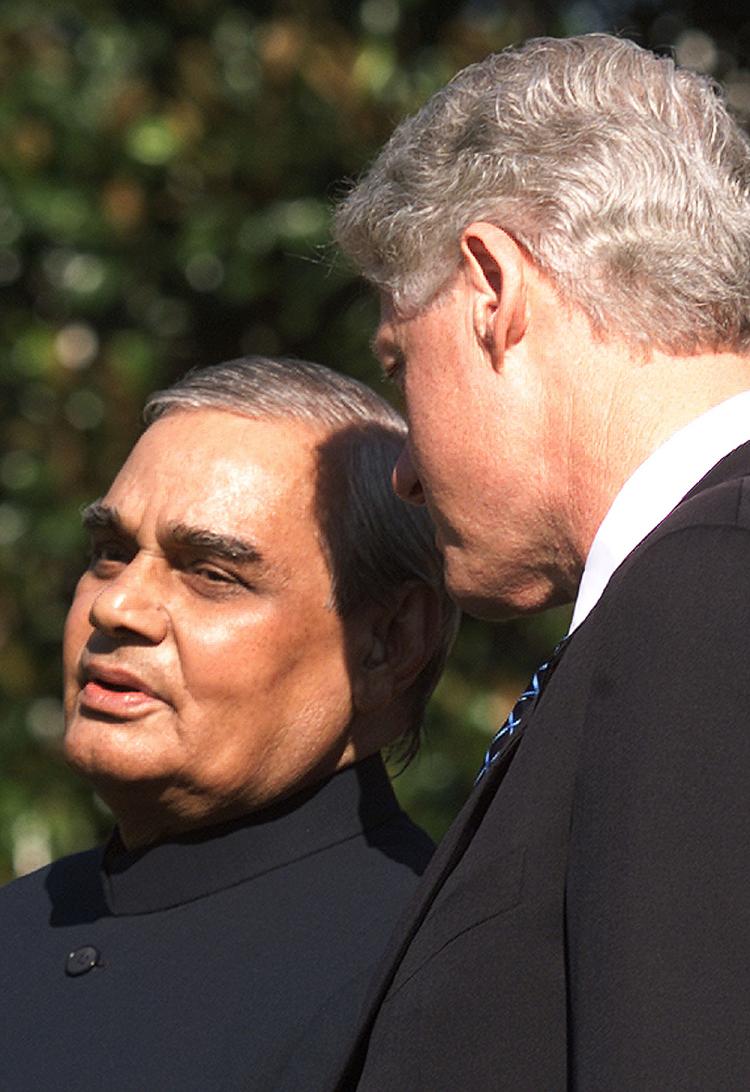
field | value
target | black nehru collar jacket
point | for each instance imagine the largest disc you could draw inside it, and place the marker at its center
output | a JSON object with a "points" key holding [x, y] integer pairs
{"points": [[211, 960], [357, 800]]}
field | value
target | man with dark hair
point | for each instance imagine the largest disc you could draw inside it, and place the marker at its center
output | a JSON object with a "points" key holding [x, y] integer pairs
{"points": [[561, 239], [260, 616]]}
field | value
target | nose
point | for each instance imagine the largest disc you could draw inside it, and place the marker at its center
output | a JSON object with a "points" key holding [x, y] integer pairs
{"points": [[405, 479], [130, 604]]}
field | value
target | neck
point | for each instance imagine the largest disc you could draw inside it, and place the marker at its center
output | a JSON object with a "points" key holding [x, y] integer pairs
{"points": [[646, 402], [155, 811], [149, 813]]}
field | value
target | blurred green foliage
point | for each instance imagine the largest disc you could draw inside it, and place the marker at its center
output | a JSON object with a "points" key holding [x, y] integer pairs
{"points": [[166, 176]]}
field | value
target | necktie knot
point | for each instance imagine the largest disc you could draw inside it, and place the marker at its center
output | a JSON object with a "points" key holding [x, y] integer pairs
{"points": [[510, 726]]}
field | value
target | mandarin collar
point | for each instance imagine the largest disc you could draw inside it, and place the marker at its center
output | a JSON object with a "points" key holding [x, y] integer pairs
{"points": [[167, 874]]}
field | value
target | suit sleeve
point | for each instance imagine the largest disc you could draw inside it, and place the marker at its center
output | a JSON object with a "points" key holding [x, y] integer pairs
{"points": [[658, 898]]}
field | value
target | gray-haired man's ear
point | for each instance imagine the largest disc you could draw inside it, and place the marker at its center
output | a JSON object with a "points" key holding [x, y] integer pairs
{"points": [[495, 268], [397, 642]]}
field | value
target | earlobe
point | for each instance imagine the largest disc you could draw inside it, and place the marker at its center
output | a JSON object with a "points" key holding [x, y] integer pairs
{"points": [[376, 656], [495, 267]]}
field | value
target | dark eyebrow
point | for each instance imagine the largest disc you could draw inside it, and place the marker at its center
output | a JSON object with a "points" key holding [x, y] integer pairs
{"points": [[227, 546], [101, 517]]}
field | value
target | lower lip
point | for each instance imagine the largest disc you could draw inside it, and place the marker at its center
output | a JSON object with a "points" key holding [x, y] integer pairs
{"points": [[116, 703]]}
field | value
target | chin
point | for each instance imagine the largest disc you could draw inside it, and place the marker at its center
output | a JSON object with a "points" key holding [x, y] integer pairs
{"points": [[103, 753], [488, 608], [471, 590], [484, 596]]}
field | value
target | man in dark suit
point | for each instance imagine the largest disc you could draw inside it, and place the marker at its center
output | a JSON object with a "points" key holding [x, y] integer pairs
{"points": [[561, 238], [260, 616]]}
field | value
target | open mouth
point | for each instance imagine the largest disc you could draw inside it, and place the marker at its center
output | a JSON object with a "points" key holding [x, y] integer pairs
{"points": [[114, 693], [119, 688]]}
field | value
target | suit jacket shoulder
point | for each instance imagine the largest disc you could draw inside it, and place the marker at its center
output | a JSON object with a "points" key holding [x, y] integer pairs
{"points": [[656, 904], [592, 929]]}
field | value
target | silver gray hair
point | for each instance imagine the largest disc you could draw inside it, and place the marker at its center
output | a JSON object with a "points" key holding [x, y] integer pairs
{"points": [[622, 176], [374, 543]]}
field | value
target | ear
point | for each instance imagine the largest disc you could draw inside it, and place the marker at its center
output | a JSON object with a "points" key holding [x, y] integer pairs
{"points": [[396, 642], [496, 270]]}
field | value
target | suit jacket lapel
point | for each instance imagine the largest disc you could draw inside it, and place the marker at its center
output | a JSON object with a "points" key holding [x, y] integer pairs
{"points": [[734, 465], [447, 856]]}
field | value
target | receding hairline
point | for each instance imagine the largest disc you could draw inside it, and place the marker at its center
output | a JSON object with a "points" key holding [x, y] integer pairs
{"points": [[276, 387]]}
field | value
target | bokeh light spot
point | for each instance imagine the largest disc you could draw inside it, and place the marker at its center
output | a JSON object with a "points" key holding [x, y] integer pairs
{"points": [[153, 142], [76, 345], [697, 50], [18, 470], [84, 409], [13, 523], [44, 718], [204, 272], [380, 16]]}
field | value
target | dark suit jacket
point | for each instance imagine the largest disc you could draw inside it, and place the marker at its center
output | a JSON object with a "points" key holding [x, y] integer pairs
{"points": [[586, 923], [219, 955]]}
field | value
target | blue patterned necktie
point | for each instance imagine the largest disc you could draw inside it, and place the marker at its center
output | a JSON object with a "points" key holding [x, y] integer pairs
{"points": [[505, 733]]}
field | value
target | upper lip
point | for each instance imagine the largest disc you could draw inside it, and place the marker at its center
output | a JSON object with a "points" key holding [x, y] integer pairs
{"points": [[111, 675]]}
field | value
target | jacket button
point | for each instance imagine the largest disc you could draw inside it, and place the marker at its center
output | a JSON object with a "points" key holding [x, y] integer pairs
{"points": [[81, 960]]}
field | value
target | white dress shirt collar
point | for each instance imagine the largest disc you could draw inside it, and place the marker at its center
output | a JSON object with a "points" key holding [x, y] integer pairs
{"points": [[656, 487]]}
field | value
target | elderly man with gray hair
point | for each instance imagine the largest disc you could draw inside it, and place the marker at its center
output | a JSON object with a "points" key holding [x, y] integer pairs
{"points": [[561, 239], [259, 617]]}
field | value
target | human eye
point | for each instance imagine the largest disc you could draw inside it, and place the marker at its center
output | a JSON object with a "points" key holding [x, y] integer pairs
{"points": [[394, 368], [211, 579], [107, 556], [213, 575]]}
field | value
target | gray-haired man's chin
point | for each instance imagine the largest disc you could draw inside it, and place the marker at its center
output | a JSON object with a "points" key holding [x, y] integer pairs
{"points": [[481, 603], [494, 603]]}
